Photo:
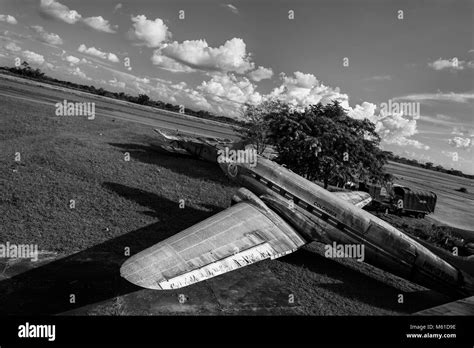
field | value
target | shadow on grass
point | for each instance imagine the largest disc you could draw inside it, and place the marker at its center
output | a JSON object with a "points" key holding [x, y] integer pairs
{"points": [[357, 285], [178, 163], [92, 275]]}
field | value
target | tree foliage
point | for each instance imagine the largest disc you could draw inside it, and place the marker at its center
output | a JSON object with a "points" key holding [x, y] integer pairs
{"points": [[255, 128], [320, 142]]}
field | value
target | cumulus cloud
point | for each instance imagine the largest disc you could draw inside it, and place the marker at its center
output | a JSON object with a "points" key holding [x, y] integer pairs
{"points": [[112, 57], [261, 73], [12, 47], [452, 64], [460, 143], [72, 60], [116, 83], [197, 54], [92, 51], [79, 73], [33, 58], [304, 89], [151, 33], [117, 7], [7, 18], [168, 63], [50, 38], [56, 10], [100, 24], [227, 93], [396, 129]]}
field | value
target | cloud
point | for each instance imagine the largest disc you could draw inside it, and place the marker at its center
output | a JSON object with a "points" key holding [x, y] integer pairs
{"points": [[117, 7], [12, 47], [231, 8], [50, 38], [452, 64], [460, 143], [451, 97], [112, 57], [168, 63], [452, 155], [304, 89], [72, 60], [100, 24], [196, 54], [33, 58], [79, 73], [439, 119], [116, 83], [393, 128], [149, 33], [98, 53], [462, 131], [54, 9], [226, 93], [261, 73], [7, 18]]}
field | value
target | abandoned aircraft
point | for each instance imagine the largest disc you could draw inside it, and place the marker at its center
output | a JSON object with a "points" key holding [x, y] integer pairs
{"points": [[276, 212]]}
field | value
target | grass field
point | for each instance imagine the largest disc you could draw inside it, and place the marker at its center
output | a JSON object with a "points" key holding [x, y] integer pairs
{"points": [[134, 204], [453, 207]]}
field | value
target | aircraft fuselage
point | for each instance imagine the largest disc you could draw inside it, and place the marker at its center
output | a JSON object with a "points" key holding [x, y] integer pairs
{"points": [[318, 214]]}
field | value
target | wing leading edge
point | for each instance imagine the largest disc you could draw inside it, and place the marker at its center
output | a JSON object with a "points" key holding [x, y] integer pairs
{"points": [[236, 237]]}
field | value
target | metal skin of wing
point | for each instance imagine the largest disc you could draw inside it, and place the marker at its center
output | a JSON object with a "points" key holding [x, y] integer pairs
{"points": [[306, 212], [243, 234]]}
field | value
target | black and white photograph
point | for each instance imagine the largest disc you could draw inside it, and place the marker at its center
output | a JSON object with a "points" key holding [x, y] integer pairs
{"points": [[236, 162]]}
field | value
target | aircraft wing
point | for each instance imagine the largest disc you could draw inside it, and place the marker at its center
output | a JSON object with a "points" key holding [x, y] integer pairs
{"points": [[236, 237], [358, 198]]}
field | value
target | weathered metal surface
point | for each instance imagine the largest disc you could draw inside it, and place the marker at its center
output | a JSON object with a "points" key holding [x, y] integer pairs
{"points": [[358, 198], [411, 200], [240, 235], [385, 246]]}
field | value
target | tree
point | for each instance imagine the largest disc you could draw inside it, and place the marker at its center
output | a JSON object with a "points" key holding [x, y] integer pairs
{"points": [[255, 126], [143, 99], [323, 143]]}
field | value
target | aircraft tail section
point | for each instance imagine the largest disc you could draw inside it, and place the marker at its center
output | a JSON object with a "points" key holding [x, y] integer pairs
{"points": [[463, 264]]}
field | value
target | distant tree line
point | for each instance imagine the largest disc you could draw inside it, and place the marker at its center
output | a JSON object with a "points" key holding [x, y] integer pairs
{"points": [[25, 70], [427, 165]]}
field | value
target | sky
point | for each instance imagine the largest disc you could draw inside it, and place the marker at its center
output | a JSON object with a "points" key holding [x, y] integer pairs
{"points": [[407, 66]]}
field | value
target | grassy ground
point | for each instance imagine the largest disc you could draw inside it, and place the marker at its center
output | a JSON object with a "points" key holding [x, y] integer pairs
{"points": [[136, 204], [452, 207]]}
